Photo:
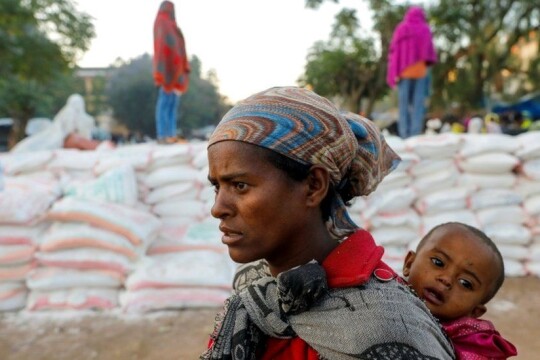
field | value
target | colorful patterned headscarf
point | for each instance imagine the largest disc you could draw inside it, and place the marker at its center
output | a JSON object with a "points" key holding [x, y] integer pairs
{"points": [[308, 128], [170, 64]]}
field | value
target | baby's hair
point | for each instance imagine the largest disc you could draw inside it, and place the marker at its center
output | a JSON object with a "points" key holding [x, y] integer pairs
{"points": [[479, 234]]}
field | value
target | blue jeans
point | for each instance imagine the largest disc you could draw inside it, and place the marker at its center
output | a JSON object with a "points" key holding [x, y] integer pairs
{"points": [[166, 108], [411, 98]]}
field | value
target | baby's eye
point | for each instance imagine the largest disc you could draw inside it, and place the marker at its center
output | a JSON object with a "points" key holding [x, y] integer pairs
{"points": [[466, 284], [437, 262]]}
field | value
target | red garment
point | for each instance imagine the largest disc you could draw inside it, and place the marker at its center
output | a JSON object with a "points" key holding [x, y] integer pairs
{"points": [[170, 66], [476, 339], [351, 263]]}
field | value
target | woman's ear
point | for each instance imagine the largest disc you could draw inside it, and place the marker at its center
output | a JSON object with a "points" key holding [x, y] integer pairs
{"points": [[318, 184], [409, 259]]}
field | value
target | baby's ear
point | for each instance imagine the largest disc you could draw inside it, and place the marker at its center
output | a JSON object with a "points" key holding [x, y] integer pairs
{"points": [[409, 259], [478, 311]]}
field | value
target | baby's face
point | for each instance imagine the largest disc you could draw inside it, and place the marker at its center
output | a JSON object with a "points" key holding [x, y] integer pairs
{"points": [[453, 272]]}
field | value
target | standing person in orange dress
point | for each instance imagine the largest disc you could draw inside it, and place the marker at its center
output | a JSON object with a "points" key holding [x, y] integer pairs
{"points": [[170, 69], [411, 54]]}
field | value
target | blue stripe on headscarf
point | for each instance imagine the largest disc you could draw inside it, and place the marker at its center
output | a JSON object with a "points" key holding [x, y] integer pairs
{"points": [[284, 124], [361, 133]]}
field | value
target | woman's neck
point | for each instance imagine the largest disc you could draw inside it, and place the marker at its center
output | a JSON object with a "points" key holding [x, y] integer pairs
{"points": [[315, 247]]}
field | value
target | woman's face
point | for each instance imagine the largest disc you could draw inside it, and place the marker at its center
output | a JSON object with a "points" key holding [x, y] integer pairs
{"points": [[262, 210]]}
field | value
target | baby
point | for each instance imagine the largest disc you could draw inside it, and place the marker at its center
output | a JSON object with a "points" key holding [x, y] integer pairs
{"points": [[456, 270]]}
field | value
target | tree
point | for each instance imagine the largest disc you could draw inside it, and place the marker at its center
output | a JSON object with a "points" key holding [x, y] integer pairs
{"points": [[475, 41], [133, 95], [354, 63], [202, 105], [40, 41], [332, 70]]}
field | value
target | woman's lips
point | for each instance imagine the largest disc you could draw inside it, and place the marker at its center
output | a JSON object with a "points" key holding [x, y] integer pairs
{"points": [[229, 236]]}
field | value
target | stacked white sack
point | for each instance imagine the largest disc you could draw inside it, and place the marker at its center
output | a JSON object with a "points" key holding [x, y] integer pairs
{"points": [[203, 235], [23, 204], [186, 267], [136, 156], [117, 185], [435, 178], [17, 247], [529, 188], [87, 253], [28, 165], [387, 212], [73, 164], [174, 184], [488, 163]]}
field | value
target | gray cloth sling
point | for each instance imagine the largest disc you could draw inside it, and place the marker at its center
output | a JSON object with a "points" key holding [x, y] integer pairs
{"points": [[377, 320]]}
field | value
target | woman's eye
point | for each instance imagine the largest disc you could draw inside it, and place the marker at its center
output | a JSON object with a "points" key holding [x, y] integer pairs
{"points": [[437, 262], [466, 284], [215, 187], [241, 186]]}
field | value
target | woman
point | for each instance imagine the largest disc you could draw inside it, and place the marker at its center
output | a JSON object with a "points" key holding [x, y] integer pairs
{"points": [[284, 162], [171, 71], [411, 54]]}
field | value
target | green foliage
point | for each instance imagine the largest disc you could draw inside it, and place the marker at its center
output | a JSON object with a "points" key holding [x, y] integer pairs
{"points": [[333, 71], [132, 96], [351, 66], [475, 40], [39, 41], [202, 105]]}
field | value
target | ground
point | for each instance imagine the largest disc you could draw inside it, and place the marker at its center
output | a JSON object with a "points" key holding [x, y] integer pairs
{"points": [[184, 334]]}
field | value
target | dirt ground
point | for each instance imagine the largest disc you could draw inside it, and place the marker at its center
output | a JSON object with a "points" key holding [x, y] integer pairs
{"points": [[184, 334]]}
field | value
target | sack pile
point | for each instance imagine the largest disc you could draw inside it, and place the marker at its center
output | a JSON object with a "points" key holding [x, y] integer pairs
{"points": [[485, 180], [130, 228]]}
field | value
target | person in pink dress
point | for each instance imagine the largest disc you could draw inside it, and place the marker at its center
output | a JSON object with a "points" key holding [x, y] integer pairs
{"points": [[456, 270], [410, 56]]}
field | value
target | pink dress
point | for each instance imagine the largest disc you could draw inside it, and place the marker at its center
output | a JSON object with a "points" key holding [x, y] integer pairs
{"points": [[476, 339]]}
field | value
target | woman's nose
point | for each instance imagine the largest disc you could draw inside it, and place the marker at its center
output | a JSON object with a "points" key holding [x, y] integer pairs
{"points": [[220, 209]]}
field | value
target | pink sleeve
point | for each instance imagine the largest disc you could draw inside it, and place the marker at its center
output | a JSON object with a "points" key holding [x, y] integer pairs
{"points": [[475, 339]]}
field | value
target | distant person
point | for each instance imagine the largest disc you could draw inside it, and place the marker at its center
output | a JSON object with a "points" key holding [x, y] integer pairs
{"points": [[433, 126], [73, 118], [77, 124], [171, 71], [457, 270], [451, 124], [475, 125], [72, 127], [493, 123], [410, 56], [511, 123], [283, 163]]}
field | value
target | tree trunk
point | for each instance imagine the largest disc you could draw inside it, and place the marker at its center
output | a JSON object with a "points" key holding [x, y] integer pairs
{"points": [[17, 131], [478, 90]]}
